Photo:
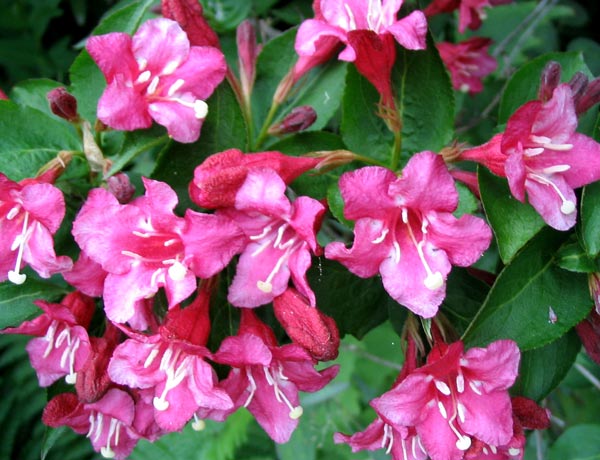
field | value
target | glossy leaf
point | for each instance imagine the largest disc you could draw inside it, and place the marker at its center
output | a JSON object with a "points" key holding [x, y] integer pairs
{"points": [[30, 139], [572, 257], [16, 302], [520, 304], [581, 442], [536, 378], [33, 93], [590, 218], [514, 223]]}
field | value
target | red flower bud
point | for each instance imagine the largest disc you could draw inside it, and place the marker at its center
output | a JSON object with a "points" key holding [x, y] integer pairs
{"points": [[589, 98], [298, 119], [189, 15], [63, 104], [314, 331], [549, 81], [218, 179], [248, 51], [589, 333], [529, 414], [121, 187]]}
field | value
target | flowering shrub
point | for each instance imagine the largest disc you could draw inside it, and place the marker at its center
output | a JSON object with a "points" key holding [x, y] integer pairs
{"points": [[369, 227]]}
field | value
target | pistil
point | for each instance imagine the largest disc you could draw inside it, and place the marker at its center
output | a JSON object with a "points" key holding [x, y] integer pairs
{"points": [[20, 240]]}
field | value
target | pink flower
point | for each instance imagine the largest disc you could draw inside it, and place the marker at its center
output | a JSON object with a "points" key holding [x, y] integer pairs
{"points": [[172, 364], [541, 154], [62, 346], [368, 29], [471, 12], [266, 378], [219, 177], [108, 422], [468, 62], [31, 211], [190, 16], [405, 230], [156, 75], [455, 398], [143, 246], [280, 236]]}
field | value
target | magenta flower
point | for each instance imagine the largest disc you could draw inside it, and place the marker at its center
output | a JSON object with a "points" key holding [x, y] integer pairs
{"points": [[266, 378], [405, 230], [156, 75], [468, 62], [471, 13], [62, 346], [455, 398], [143, 246], [280, 237], [541, 154], [31, 211], [108, 422], [172, 364]]}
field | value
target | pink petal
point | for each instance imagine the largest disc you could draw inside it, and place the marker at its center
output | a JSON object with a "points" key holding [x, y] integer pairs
{"points": [[311, 31], [45, 203], [128, 364], [557, 118], [122, 292], [437, 437], [405, 404], [516, 173], [548, 203], [179, 290], [305, 219], [488, 417], [263, 191], [424, 173], [162, 44], [122, 107], [87, 276], [495, 366], [180, 120], [411, 31], [299, 263], [365, 192], [112, 53], [369, 439], [243, 350]]}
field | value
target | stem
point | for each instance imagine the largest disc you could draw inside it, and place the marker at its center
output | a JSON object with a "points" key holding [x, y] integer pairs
{"points": [[371, 357], [265, 127], [243, 101], [539, 453], [369, 161], [117, 166], [396, 149], [588, 375]]}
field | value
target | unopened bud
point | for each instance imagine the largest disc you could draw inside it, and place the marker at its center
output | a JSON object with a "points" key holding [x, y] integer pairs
{"points": [[121, 187], [330, 159], [248, 51], [578, 85], [589, 98], [549, 80], [314, 331], [190, 16], [298, 119], [63, 104], [55, 167]]}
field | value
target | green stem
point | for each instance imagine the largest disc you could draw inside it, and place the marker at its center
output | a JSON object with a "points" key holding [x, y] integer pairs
{"points": [[370, 161], [265, 127], [119, 165]]}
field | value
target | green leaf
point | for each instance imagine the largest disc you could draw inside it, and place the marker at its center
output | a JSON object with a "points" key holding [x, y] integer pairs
{"points": [[32, 93], [590, 218], [464, 297], [524, 84], [225, 15], [223, 129], [137, 142], [16, 302], [336, 204], [87, 81], [572, 257], [467, 202], [30, 138], [581, 442], [514, 223], [356, 304], [536, 378], [519, 304], [425, 99], [362, 130]]}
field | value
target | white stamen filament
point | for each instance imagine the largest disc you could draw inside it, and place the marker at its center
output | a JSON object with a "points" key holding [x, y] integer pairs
{"points": [[266, 286], [151, 356], [351, 20], [175, 87], [464, 442], [174, 376], [49, 337], [442, 387], [113, 429], [475, 387], [13, 212], [460, 408], [280, 231], [153, 85], [170, 67], [396, 252], [252, 387], [442, 409], [15, 276], [71, 377], [381, 237], [262, 234], [460, 383], [388, 438], [567, 207], [295, 412]]}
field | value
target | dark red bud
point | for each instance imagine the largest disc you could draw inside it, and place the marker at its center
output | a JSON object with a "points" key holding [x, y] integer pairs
{"points": [[549, 80], [578, 85], [66, 409], [589, 98], [93, 380], [297, 120], [63, 104], [314, 331], [529, 414], [190, 16], [589, 333], [190, 324], [121, 187]]}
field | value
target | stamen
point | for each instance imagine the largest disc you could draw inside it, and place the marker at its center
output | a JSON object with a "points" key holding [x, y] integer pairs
{"points": [[513, 451], [99, 427], [72, 375], [388, 436], [442, 409], [485, 451], [264, 286], [177, 271], [351, 20], [200, 109], [170, 242], [474, 384], [151, 356], [106, 451], [153, 85], [494, 449], [144, 77], [556, 169], [460, 408], [13, 212], [252, 387], [142, 234], [442, 387], [280, 231], [460, 383], [567, 207], [170, 67], [174, 376], [15, 276], [175, 86], [198, 424], [540, 139], [142, 64], [381, 237], [264, 233], [295, 412], [532, 152], [396, 252], [49, 337]]}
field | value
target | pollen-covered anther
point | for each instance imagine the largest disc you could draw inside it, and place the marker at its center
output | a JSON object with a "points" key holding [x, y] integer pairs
{"points": [[547, 143], [434, 281], [198, 424], [264, 286], [177, 271]]}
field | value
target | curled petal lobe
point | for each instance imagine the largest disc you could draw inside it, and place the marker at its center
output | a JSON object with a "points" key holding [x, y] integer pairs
{"points": [[104, 48], [411, 31]]}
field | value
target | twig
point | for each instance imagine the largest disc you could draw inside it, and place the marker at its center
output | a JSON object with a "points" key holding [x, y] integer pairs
{"points": [[588, 375]]}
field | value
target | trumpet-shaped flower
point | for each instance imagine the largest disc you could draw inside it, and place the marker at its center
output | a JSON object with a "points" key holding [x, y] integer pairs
{"points": [[172, 364], [30, 213], [62, 346], [456, 398], [143, 246], [156, 75], [541, 154], [405, 230], [266, 378], [280, 236]]}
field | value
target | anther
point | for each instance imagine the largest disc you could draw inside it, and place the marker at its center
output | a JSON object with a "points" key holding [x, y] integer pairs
{"points": [[200, 109], [442, 409], [175, 87], [177, 271], [513, 451], [15, 276], [198, 424], [264, 286], [442, 387], [144, 77], [153, 85], [170, 67]]}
